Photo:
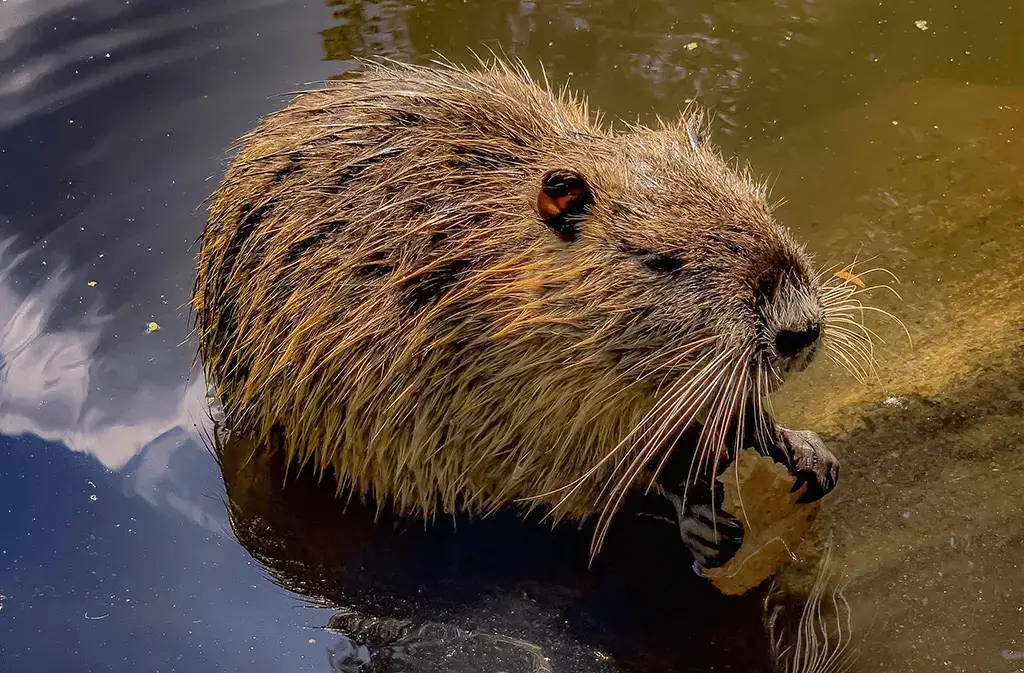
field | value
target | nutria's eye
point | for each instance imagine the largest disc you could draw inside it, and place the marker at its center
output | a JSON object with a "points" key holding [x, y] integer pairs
{"points": [[766, 288], [662, 263]]}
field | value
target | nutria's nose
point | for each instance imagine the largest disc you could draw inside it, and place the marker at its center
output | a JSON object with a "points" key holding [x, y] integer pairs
{"points": [[792, 342]]}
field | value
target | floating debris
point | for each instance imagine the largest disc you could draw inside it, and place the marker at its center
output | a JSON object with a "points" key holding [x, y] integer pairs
{"points": [[152, 327], [921, 25], [91, 283], [853, 278], [894, 401], [691, 46]]}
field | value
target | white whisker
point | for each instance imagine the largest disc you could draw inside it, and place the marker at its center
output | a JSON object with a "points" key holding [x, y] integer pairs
{"points": [[813, 649], [683, 418], [841, 358], [688, 404]]}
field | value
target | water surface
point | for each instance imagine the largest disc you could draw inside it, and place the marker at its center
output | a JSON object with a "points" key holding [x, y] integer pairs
{"points": [[894, 131]]}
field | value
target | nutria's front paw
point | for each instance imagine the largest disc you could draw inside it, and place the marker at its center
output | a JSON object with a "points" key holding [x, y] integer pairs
{"points": [[811, 462], [712, 536]]}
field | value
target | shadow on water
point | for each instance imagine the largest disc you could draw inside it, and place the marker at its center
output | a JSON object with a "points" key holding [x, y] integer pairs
{"points": [[894, 129], [521, 587]]}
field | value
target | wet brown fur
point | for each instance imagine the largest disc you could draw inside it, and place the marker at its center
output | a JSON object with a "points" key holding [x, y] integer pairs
{"points": [[375, 284]]}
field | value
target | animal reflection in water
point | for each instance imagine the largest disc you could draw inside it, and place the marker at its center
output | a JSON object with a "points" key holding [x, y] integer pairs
{"points": [[504, 594]]}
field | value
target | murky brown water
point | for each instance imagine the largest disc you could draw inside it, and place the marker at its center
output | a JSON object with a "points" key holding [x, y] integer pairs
{"points": [[931, 513], [895, 131]]}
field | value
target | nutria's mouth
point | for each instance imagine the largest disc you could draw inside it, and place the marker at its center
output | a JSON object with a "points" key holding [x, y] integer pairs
{"points": [[794, 365], [775, 369], [750, 426]]}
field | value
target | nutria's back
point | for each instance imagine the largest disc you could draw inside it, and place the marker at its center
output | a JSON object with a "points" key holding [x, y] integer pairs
{"points": [[457, 289]]}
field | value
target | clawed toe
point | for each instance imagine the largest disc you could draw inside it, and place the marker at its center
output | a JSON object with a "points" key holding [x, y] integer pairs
{"points": [[811, 462], [712, 536]]}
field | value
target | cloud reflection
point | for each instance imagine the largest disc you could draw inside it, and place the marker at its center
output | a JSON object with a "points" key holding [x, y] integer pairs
{"points": [[54, 380]]}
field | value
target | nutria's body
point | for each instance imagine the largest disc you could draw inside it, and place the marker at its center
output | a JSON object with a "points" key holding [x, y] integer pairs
{"points": [[459, 290]]}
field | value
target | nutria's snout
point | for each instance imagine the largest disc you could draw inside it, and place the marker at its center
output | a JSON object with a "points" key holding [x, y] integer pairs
{"points": [[796, 340], [792, 325], [796, 345]]}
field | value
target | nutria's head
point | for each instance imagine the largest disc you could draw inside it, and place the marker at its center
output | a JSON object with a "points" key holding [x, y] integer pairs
{"points": [[722, 304], [693, 243]]}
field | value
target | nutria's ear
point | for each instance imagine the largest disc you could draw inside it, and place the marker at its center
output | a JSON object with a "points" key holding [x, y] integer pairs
{"points": [[562, 201]]}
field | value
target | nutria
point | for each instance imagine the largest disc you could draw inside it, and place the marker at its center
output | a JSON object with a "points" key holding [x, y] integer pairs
{"points": [[458, 290]]}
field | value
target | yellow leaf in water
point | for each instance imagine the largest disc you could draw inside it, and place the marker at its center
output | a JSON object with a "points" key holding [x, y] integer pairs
{"points": [[757, 492], [152, 327], [91, 283], [846, 275], [690, 46]]}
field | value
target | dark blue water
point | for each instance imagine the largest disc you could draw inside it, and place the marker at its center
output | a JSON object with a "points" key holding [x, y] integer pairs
{"points": [[96, 578], [114, 549]]}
